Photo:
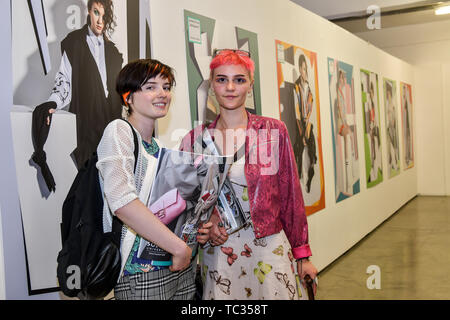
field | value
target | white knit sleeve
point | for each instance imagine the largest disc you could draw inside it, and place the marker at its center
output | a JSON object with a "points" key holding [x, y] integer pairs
{"points": [[116, 164]]}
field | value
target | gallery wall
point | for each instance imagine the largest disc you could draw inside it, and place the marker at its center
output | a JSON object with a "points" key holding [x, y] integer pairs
{"points": [[427, 47], [332, 230]]}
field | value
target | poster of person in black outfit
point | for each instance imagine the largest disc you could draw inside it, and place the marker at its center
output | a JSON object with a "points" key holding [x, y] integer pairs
{"points": [[85, 81], [304, 104], [64, 84], [300, 110]]}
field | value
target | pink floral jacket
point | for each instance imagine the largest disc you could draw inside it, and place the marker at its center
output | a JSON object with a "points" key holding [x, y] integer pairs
{"points": [[275, 195]]}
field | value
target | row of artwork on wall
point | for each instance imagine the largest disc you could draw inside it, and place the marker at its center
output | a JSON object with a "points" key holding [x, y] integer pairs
{"points": [[298, 104], [300, 109]]}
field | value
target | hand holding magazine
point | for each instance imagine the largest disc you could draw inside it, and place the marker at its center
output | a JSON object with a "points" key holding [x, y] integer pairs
{"points": [[230, 211], [184, 191]]}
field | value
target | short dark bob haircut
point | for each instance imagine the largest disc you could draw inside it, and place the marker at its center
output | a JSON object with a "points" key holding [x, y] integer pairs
{"points": [[136, 73]]}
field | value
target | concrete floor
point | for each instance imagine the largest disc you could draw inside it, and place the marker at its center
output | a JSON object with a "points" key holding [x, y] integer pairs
{"points": [[412, 251]]}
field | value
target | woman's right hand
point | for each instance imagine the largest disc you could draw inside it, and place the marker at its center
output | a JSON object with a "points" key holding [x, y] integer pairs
{"points": [[181, 259]]}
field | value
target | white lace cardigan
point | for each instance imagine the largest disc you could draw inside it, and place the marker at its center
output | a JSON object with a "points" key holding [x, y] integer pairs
{"points": [[119, 184]]}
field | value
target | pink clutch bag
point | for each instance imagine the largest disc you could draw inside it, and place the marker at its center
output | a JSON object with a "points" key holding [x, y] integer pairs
{"points": [[169, 206]]}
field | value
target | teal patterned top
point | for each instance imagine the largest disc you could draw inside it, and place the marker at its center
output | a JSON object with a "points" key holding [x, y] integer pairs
{"points": [[134, 264]]}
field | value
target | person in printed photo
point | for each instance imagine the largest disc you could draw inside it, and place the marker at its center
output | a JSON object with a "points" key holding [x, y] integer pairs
{"points": [[345, 132], [86, 78], [392, 129], [373, 134], [304, 108]]}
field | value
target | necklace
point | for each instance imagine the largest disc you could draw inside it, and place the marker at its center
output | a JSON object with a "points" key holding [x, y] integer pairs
{"points": [[151, 148]]}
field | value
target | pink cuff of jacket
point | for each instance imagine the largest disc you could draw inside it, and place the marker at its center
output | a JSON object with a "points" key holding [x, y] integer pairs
{"points": [[301, 252]]}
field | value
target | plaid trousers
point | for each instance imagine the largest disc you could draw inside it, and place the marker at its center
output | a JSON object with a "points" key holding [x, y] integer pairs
{"points": [[157, 285]]}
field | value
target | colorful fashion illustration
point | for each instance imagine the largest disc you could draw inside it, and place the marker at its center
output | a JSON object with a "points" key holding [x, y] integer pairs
{"points": [[393, 148], [345, 144], [300, 111], [371, 120], [408, 145]]}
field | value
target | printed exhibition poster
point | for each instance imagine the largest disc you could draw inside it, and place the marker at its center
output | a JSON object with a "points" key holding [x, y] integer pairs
{"points": [[407, 129], [64, 60], [298, 89], [390, 106], [203, 36], [343, 121], [371, 120]]}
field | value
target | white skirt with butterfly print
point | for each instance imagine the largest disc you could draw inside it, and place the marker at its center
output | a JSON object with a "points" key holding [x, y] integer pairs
{"points": [[248, 268]]}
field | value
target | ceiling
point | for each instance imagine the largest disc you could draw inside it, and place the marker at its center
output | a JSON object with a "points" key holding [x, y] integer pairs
{"points": [[332, 9], [352, 14]]}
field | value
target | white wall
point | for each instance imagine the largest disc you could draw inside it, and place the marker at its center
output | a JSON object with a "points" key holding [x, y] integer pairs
{"points": [[339, 226], [416, 43], [427, 47], [445, 122]]}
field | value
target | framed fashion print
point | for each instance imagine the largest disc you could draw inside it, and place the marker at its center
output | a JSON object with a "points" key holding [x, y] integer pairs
{"points": [[407, 127], [298, 92], [371, 119], [392, 140], [343, 123]]}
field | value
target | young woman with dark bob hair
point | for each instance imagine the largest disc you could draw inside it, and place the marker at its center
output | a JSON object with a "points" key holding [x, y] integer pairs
{"points": [[146, 89]]}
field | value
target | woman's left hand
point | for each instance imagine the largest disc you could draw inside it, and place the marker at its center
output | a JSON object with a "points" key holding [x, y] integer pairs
{"points": [[305, 267], [218, 234], [204, 233]]}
